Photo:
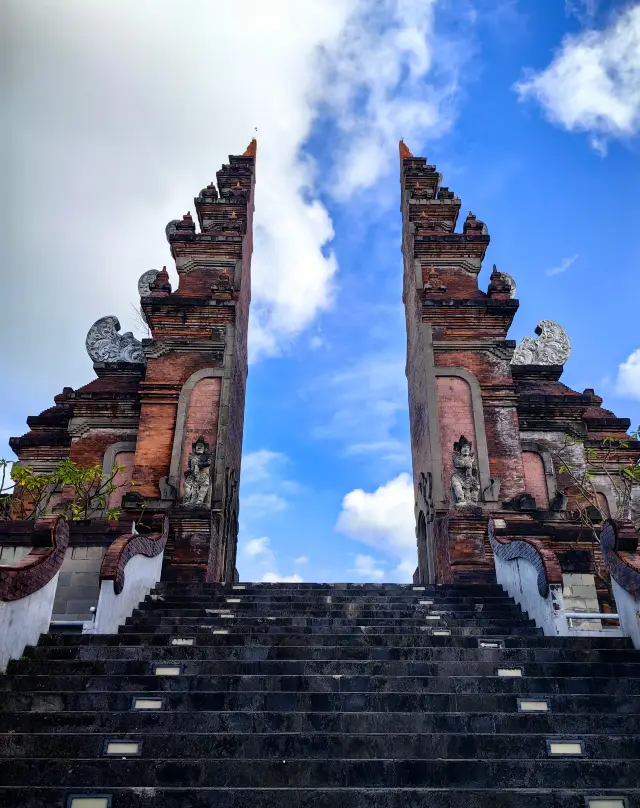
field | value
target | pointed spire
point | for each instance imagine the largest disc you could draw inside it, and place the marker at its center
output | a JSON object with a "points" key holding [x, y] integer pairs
{"points": [[252, 149], [404, 150]]}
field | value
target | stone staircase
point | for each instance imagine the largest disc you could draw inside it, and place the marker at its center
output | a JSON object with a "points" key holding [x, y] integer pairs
{"points": [[322, 696]]}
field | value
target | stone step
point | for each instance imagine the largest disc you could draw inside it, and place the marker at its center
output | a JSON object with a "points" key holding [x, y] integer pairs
{"points": [[45, 669], [372, 641], [553, 722], [251, 628], [416, 616], [281, 589], [291, 701], [107, 773], [445, 683], [322, 798], [227, 654], [345, 697], [380, 615], [187, 745], [331, 602]]}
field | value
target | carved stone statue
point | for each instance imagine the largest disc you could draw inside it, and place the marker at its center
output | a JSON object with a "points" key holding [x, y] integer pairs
{"points": [[105, 344], [197, 479], [145, 281], [551, 347], [465, 486]]}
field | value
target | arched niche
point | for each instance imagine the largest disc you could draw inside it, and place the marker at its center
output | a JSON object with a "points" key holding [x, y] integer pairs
{"points": [[535, 481], [198, 414], [123, 453], [539, 473], [460, 412]]}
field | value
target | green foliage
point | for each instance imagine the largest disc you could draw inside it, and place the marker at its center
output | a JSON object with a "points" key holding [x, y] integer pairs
{"points": [[603, 463], [86, 491]]}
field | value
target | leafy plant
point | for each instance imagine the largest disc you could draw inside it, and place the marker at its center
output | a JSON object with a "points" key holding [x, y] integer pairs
{"points": [[600, 463], [85, 491]]}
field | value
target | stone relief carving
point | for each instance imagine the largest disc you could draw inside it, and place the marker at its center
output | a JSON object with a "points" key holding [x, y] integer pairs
{"points": [[551, 347], [465, 486], [105, 344], [145, 281], [197, 479]]}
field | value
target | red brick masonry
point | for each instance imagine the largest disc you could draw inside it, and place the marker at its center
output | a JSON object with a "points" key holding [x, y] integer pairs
{"points": [[126, 547], [39, 567]]}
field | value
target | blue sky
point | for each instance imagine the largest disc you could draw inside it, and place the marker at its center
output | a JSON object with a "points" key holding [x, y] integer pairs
{"points": [[530, 109]]}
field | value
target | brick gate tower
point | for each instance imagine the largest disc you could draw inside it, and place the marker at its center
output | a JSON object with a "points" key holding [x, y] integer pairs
{"points": [[170, 409], [490, 420]]}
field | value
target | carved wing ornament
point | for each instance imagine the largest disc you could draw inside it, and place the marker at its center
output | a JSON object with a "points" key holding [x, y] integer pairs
{"points": [[105, 344], [551, 347]]}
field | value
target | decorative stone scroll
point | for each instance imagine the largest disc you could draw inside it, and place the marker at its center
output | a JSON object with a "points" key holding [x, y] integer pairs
{"points": [[544, 561], [624, 567], [465, 486], [124, 548], [36, 570], [171, 228], [551, 347], [105, 344], [145, 281]]}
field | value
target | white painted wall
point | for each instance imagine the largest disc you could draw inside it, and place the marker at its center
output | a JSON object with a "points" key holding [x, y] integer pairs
{"points": [[23, 621], [140, 576], [629, 612], [520, 580]]}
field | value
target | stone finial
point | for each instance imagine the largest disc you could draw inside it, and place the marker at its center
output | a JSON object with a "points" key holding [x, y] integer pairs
{"points": [[210, 192], [105, 344], [551, 347], [160, 286], [181, 229], [501, 282], [145, 282], [404, 150], [252, 149], [474, 226]]}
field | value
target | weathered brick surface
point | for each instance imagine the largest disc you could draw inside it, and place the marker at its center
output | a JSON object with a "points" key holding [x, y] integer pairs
{"points": [[201, 325], [453, 325]]}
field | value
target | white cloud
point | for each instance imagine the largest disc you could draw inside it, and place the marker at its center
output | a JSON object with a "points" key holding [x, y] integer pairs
{"points": [[274, 578], [563, 266], [259, 504], [258, 562], [366, 567], [628, 381], [257, 547], [376, 86], [261, 466], [315, 343], [123, 145], [365, 403], [593, 83], [302, 560], [384, 520]]}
